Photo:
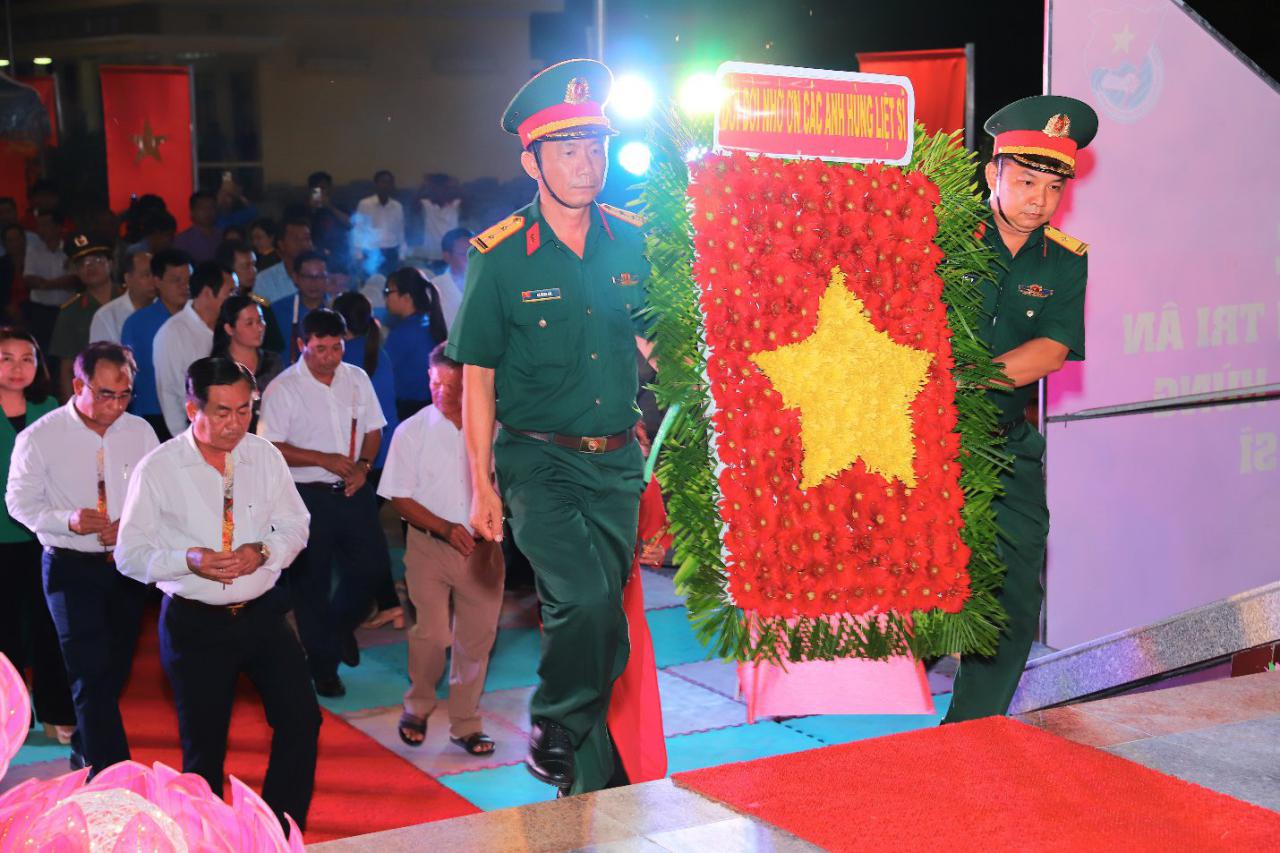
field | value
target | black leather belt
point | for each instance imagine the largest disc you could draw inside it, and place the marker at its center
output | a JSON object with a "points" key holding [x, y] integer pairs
{"points": [[1003, 430], [234, 609], [339, 486], [74, 554], [581, 443]]}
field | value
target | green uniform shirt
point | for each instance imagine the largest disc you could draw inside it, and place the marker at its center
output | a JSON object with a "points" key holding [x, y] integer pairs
{"points": [[71, 330], [558, 330], [11, 530], [1038, 293]]}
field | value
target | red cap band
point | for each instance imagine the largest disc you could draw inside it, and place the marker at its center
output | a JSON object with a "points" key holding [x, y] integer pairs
{"points": [[561, 117], [1036, 142]]}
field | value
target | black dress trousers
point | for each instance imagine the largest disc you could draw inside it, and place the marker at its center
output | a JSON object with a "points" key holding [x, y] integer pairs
{"points": [[97, 612], [204, 649]]}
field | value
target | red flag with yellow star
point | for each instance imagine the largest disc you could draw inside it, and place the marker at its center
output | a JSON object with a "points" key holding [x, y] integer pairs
{"points": [[146, 112], [830, 368]]}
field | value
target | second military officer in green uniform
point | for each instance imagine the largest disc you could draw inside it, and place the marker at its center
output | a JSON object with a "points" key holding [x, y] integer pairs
{"points": [[1034, 299], [547, 333]]}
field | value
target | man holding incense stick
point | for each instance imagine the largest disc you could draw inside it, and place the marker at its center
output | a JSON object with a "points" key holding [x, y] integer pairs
{"points": [[212, 518]]}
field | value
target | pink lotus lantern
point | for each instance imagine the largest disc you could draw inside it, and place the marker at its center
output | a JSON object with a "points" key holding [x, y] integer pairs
{"points": [[128, 806]]}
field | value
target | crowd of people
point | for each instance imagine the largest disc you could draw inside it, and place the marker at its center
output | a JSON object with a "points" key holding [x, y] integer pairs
{"points": [[198, 411]]}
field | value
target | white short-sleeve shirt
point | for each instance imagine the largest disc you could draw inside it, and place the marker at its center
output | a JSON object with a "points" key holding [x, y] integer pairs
{"points": [[427, 462], [301, 410]]}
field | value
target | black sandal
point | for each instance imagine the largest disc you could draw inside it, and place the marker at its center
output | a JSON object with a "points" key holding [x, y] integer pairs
{"points": [[417, 725], [472, 743]]}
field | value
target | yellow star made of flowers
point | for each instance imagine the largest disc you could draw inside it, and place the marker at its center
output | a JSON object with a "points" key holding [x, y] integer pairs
{"points": [[853, 386]]}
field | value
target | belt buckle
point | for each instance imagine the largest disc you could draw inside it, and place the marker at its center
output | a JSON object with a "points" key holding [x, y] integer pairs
{"points": [[592, 444], [234, 609]]}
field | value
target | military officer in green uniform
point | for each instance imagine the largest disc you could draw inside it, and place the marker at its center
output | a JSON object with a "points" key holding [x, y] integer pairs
{"points": [[1034, 298], [547, 333], [90, 261]]}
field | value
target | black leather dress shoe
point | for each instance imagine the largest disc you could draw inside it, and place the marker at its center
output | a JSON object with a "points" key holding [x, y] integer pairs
{"points": [[550, 758], [77, 760], [349, 650], [330, 687]]}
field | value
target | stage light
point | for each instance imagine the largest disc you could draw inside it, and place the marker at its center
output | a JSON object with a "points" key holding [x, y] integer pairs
{"points": [[4, 63], [42, 60], [700, 94], [635, 157], [632, 97]]}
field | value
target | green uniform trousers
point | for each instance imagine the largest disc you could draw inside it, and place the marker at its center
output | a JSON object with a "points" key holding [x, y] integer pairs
{"points": [[985, 686], [574, 516]]}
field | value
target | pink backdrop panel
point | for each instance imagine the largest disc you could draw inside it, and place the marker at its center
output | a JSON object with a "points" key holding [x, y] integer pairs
{"points": [[1153, 515]]}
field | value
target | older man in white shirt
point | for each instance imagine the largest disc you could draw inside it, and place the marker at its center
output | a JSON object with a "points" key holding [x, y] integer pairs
{"points": [[187, 336], [428, 481], [67, 479], [212, 518], [324, 417], [379, 226], [139, 292]]}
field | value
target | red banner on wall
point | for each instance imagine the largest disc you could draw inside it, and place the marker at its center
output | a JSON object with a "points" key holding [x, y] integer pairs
{"points": [[939, 80], [146, 113], [809, 112]]}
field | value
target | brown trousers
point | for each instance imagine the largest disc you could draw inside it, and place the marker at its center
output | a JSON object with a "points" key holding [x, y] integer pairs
{"points": [[436, 574]]}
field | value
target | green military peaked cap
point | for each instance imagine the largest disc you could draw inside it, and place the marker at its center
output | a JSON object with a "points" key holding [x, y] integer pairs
{"points": [[565, 101], [1044, 132]]}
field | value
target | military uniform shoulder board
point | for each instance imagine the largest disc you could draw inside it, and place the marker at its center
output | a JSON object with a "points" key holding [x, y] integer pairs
{"points": [[1066, 241], [71, 301], [261, 300], [486, 240], [625, 215]]}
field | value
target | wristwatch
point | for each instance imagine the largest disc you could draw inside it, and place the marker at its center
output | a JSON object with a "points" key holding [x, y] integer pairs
{"points": [[368, 464], [264, 552]]}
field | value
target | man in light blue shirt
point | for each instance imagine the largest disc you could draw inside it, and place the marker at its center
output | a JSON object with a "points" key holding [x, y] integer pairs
{"points": [[276, 282]]}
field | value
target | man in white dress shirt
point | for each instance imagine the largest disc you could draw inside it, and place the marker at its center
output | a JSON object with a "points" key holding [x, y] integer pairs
{"points": [[324, 417], [428, 481], [212, 518], [379, 226], [451, 283], [139, 292], [187, 336], [67, 480]]}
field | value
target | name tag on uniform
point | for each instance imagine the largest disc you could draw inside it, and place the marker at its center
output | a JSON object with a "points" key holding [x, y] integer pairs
{"points": [[1035, 290], [547, 294], [626, 279]]}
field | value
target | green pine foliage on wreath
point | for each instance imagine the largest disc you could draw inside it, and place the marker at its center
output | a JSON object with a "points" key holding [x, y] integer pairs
{"points": [[686, 468]]}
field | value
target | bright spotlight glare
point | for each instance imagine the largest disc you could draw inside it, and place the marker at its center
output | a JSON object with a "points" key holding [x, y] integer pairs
{"points": [[700, 94], [632, 97], [635, 157], [42, 60], [4, 63]]}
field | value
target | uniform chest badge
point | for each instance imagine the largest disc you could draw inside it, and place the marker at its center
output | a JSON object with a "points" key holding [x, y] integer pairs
{"points": [[626, 279], [546, 294], [1036, 290]]}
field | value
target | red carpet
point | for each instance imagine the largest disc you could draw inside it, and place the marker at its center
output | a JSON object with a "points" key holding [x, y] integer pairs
{"points": [[991, 784], [360, 786]]}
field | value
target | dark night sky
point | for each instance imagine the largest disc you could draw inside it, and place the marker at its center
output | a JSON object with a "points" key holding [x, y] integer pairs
{"points": [[1008, 35]]}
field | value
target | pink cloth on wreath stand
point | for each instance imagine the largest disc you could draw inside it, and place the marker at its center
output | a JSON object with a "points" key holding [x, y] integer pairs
{"points": [[896, 686]]}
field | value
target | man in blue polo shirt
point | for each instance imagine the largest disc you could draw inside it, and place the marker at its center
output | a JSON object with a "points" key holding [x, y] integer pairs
{"points": [[172, 271]]}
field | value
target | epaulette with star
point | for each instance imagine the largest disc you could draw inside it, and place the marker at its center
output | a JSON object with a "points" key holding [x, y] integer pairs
{"points": [[486, 240], [1066, 241], [71, 301], [625, 215]]}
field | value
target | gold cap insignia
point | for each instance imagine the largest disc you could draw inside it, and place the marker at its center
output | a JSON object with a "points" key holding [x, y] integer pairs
{"points": [[1059, 125], [578, 91], [81, 241]]}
